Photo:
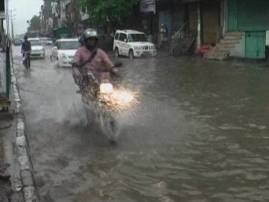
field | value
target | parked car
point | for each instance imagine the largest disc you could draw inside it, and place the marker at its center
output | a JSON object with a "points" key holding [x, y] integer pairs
{"points": [[64, 51], [132, 43], [38, 50]]}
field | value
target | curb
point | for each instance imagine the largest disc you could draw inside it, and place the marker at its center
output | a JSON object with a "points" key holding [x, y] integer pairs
{"points": [[22, 154]]}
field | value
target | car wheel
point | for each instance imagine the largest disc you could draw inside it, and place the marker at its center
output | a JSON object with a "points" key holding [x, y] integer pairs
{"points": [[131, 54], [116, 52]]}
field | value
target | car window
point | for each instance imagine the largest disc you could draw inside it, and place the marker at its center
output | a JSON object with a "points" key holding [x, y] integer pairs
{"points": [[57, 44], [36, 43], [68, 45], [137, 38], [122, 37], [117, 36]]}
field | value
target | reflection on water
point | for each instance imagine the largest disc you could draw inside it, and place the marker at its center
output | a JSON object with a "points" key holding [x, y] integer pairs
{"points": [[200, 133]]}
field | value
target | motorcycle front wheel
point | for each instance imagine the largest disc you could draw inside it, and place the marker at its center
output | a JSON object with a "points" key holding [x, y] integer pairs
{"points": [[109, 126]]}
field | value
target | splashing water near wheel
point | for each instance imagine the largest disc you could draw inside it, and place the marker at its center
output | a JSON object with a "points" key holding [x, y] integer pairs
{"points": [[109, 125]]}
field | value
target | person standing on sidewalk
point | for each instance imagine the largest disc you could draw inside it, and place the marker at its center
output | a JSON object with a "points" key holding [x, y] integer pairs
{"points": [[163, 36]]}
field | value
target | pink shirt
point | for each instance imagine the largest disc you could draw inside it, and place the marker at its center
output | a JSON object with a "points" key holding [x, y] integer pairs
{"points": [[100, 62]]}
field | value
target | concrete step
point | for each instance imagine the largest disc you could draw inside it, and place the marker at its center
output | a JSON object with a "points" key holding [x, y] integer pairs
{"points": [[234, 34], [229, 41], [218, 56], [225, 45], [222, 50], [232, 38], [228, 46]]}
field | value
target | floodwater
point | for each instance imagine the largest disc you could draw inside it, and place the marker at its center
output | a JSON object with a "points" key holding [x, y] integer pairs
{"points": [[200, 133]]}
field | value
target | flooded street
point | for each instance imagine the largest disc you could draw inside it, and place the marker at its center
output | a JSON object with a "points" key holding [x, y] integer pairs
{"points": [[199, 133]]}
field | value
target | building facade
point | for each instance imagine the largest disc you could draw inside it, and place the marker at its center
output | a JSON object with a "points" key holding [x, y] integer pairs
{"points": [[234, 28]]}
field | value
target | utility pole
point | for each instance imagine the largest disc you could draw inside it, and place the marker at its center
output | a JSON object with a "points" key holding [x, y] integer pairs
{"points": [[7, 16], [10, 23], [12, 26]]}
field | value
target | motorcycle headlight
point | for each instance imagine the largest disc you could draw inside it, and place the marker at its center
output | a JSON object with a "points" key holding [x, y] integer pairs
{"points": [[106, 88]]}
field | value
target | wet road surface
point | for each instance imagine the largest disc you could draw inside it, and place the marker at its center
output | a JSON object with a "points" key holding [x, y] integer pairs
{"points": [[200, 133]]}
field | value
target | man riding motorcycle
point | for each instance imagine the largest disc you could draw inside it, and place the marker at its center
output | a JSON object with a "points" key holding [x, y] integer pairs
{"points": [[26, 51], [90, 58]]}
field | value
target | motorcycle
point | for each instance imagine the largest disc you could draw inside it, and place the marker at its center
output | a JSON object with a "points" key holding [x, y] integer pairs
{"points": [[26, 59], [104, 100]]}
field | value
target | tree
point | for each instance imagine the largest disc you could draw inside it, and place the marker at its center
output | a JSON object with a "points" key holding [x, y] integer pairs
{"points": [[114, 12], [35, 23]]}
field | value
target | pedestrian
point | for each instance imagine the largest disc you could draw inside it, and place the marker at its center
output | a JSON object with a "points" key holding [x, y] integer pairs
{"points": [[163, 36]]}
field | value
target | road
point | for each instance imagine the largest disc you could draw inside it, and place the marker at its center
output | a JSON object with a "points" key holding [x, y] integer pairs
{"points": [[199, 133]]}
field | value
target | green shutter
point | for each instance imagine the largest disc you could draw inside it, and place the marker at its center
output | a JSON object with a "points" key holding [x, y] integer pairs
{"points": [[255, 45], [248, 15], [232, 15], [253, 15]]}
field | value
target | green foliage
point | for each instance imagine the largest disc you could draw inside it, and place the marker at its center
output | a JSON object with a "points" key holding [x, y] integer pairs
{"points": [[109, 11], [35, 23]]}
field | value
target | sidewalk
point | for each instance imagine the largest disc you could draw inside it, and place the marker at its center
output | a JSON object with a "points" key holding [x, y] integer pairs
{"points": [[6, 124], [16, 179], [9, 171], [6, 129]]}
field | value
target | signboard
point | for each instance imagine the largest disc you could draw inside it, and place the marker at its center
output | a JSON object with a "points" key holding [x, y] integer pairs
{"points": [[147, 6]]}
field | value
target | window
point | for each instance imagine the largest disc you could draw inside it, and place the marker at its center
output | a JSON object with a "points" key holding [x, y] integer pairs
{"points": [[35, 42], [137, 38], [57, 45], [83, 9], [117, 36], [2, 6], [68, 45], [123, 37]]}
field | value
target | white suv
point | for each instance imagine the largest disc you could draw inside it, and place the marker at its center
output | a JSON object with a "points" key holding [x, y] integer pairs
{"points": [[132, 43]]}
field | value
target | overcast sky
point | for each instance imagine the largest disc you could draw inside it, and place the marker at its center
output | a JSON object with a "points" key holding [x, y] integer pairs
{"points": [[23, 11]]}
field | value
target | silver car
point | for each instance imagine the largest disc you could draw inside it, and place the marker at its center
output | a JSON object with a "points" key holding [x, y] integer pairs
{"points": [[38, 49]]}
